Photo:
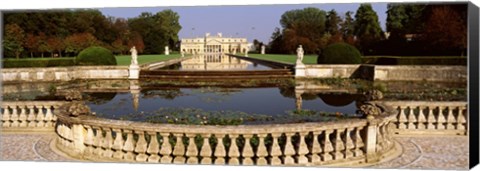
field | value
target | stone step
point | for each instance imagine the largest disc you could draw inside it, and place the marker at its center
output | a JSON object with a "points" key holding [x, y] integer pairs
{"points": [[216, 73], [237, 77]]}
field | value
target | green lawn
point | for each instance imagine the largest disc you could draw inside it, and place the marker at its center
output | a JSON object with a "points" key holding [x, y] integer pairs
{"points": [[307, 59], [143, 59]]}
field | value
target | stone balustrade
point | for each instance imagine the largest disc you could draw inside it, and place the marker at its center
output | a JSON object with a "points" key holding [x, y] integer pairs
{"points": [[29, 115], [350, 141], [445, 118]]}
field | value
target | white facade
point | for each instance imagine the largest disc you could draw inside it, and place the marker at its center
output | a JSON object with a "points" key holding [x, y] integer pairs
{"points": [[214, 44]]}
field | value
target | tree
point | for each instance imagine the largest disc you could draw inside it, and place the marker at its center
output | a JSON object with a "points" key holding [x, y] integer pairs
{"points": [[404, 19], [347, 28], [55, 44], [276, 43], [14, 37], [304, 27], [445, 29], [31, 43], [79, 41], [367, 28], [157, 30], [333, 26]]}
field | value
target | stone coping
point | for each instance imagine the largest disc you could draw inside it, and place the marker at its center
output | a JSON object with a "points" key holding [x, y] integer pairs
{"points": [[62, 68], [388, 115]]}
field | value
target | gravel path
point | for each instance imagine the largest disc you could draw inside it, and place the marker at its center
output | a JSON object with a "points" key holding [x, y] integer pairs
{"points": [[418, 152]]}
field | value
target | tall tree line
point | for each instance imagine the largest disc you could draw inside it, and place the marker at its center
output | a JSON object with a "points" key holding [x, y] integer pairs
{"points": [[437, 29], [67, 32]]}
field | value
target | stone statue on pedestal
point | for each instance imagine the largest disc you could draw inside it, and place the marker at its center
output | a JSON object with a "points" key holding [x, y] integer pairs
{"points": [[134, 56], [263, 50], [299, 54], [167, 51]]}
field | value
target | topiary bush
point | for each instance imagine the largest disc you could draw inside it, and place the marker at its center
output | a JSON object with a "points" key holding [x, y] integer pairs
{"points": [[95, 55], [339, 53]]}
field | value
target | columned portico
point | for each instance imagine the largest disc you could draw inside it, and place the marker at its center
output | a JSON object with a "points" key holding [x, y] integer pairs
{"points": [[214, 44]]}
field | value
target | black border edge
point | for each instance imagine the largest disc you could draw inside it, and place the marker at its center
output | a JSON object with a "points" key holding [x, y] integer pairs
{"points": [[473, 81]]}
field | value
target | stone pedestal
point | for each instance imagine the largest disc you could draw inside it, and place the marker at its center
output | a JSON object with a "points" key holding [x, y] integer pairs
{"points": [[263, 50], [134, 72], [300, 70]]}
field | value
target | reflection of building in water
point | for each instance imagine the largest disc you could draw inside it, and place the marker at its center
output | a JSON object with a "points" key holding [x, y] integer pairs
{"points": [[214, 62], [214, 44]]}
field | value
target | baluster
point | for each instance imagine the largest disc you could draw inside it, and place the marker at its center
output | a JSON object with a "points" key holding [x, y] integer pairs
{"points": [[402, 118], [40, 117], [461, 125], [289, 151], [141, 147], [129, 146], [6, 117], [233, 152], [153, 148], [220, 152], [302, 149], [358, 143], [192, 151], [421, 118], [247, 152], [31, 117], [49, 117], [23, 117], [348, 143], [118, 144], [206, 151], [411, 118], [316, 149], [431, 118], [450, 119], [440, 118], [107, 143], [14, 117], [89, 140], [179, 150], [327, 147], [262, 152], [339, 146], [166, 149], [97, 141], [275, 151]]}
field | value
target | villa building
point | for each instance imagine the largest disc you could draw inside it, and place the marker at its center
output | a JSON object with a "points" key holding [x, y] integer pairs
{"points": [[214, 44]]}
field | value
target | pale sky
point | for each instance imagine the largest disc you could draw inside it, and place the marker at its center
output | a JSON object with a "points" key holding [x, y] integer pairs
{"points": [[250, 21]]}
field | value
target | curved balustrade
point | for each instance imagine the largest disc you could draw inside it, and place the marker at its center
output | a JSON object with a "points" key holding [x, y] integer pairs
{"points": [[430, 117], [29, 115], [345, 141]]}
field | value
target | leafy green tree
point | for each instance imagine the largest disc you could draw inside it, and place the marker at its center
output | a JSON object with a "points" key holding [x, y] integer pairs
{"points": [[14, 37], [333, 26], [305, 27], [276, 43], [347, 28], [157, 30], [404, 19], [367, 28]]}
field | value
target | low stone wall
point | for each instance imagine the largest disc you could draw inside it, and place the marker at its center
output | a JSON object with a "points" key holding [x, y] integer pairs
{"points": [[330, 71], [64, 73], [29, 115], [156, 65], [388, 73], [349, 141], [420, 73], [427, 118]]}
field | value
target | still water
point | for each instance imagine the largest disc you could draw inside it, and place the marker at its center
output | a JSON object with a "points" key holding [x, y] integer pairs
{"points": [[215, 62]]}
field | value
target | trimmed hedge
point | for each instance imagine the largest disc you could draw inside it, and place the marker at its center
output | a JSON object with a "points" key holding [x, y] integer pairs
{"points": [[95, 55], [38, 62], [339, 53]]}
